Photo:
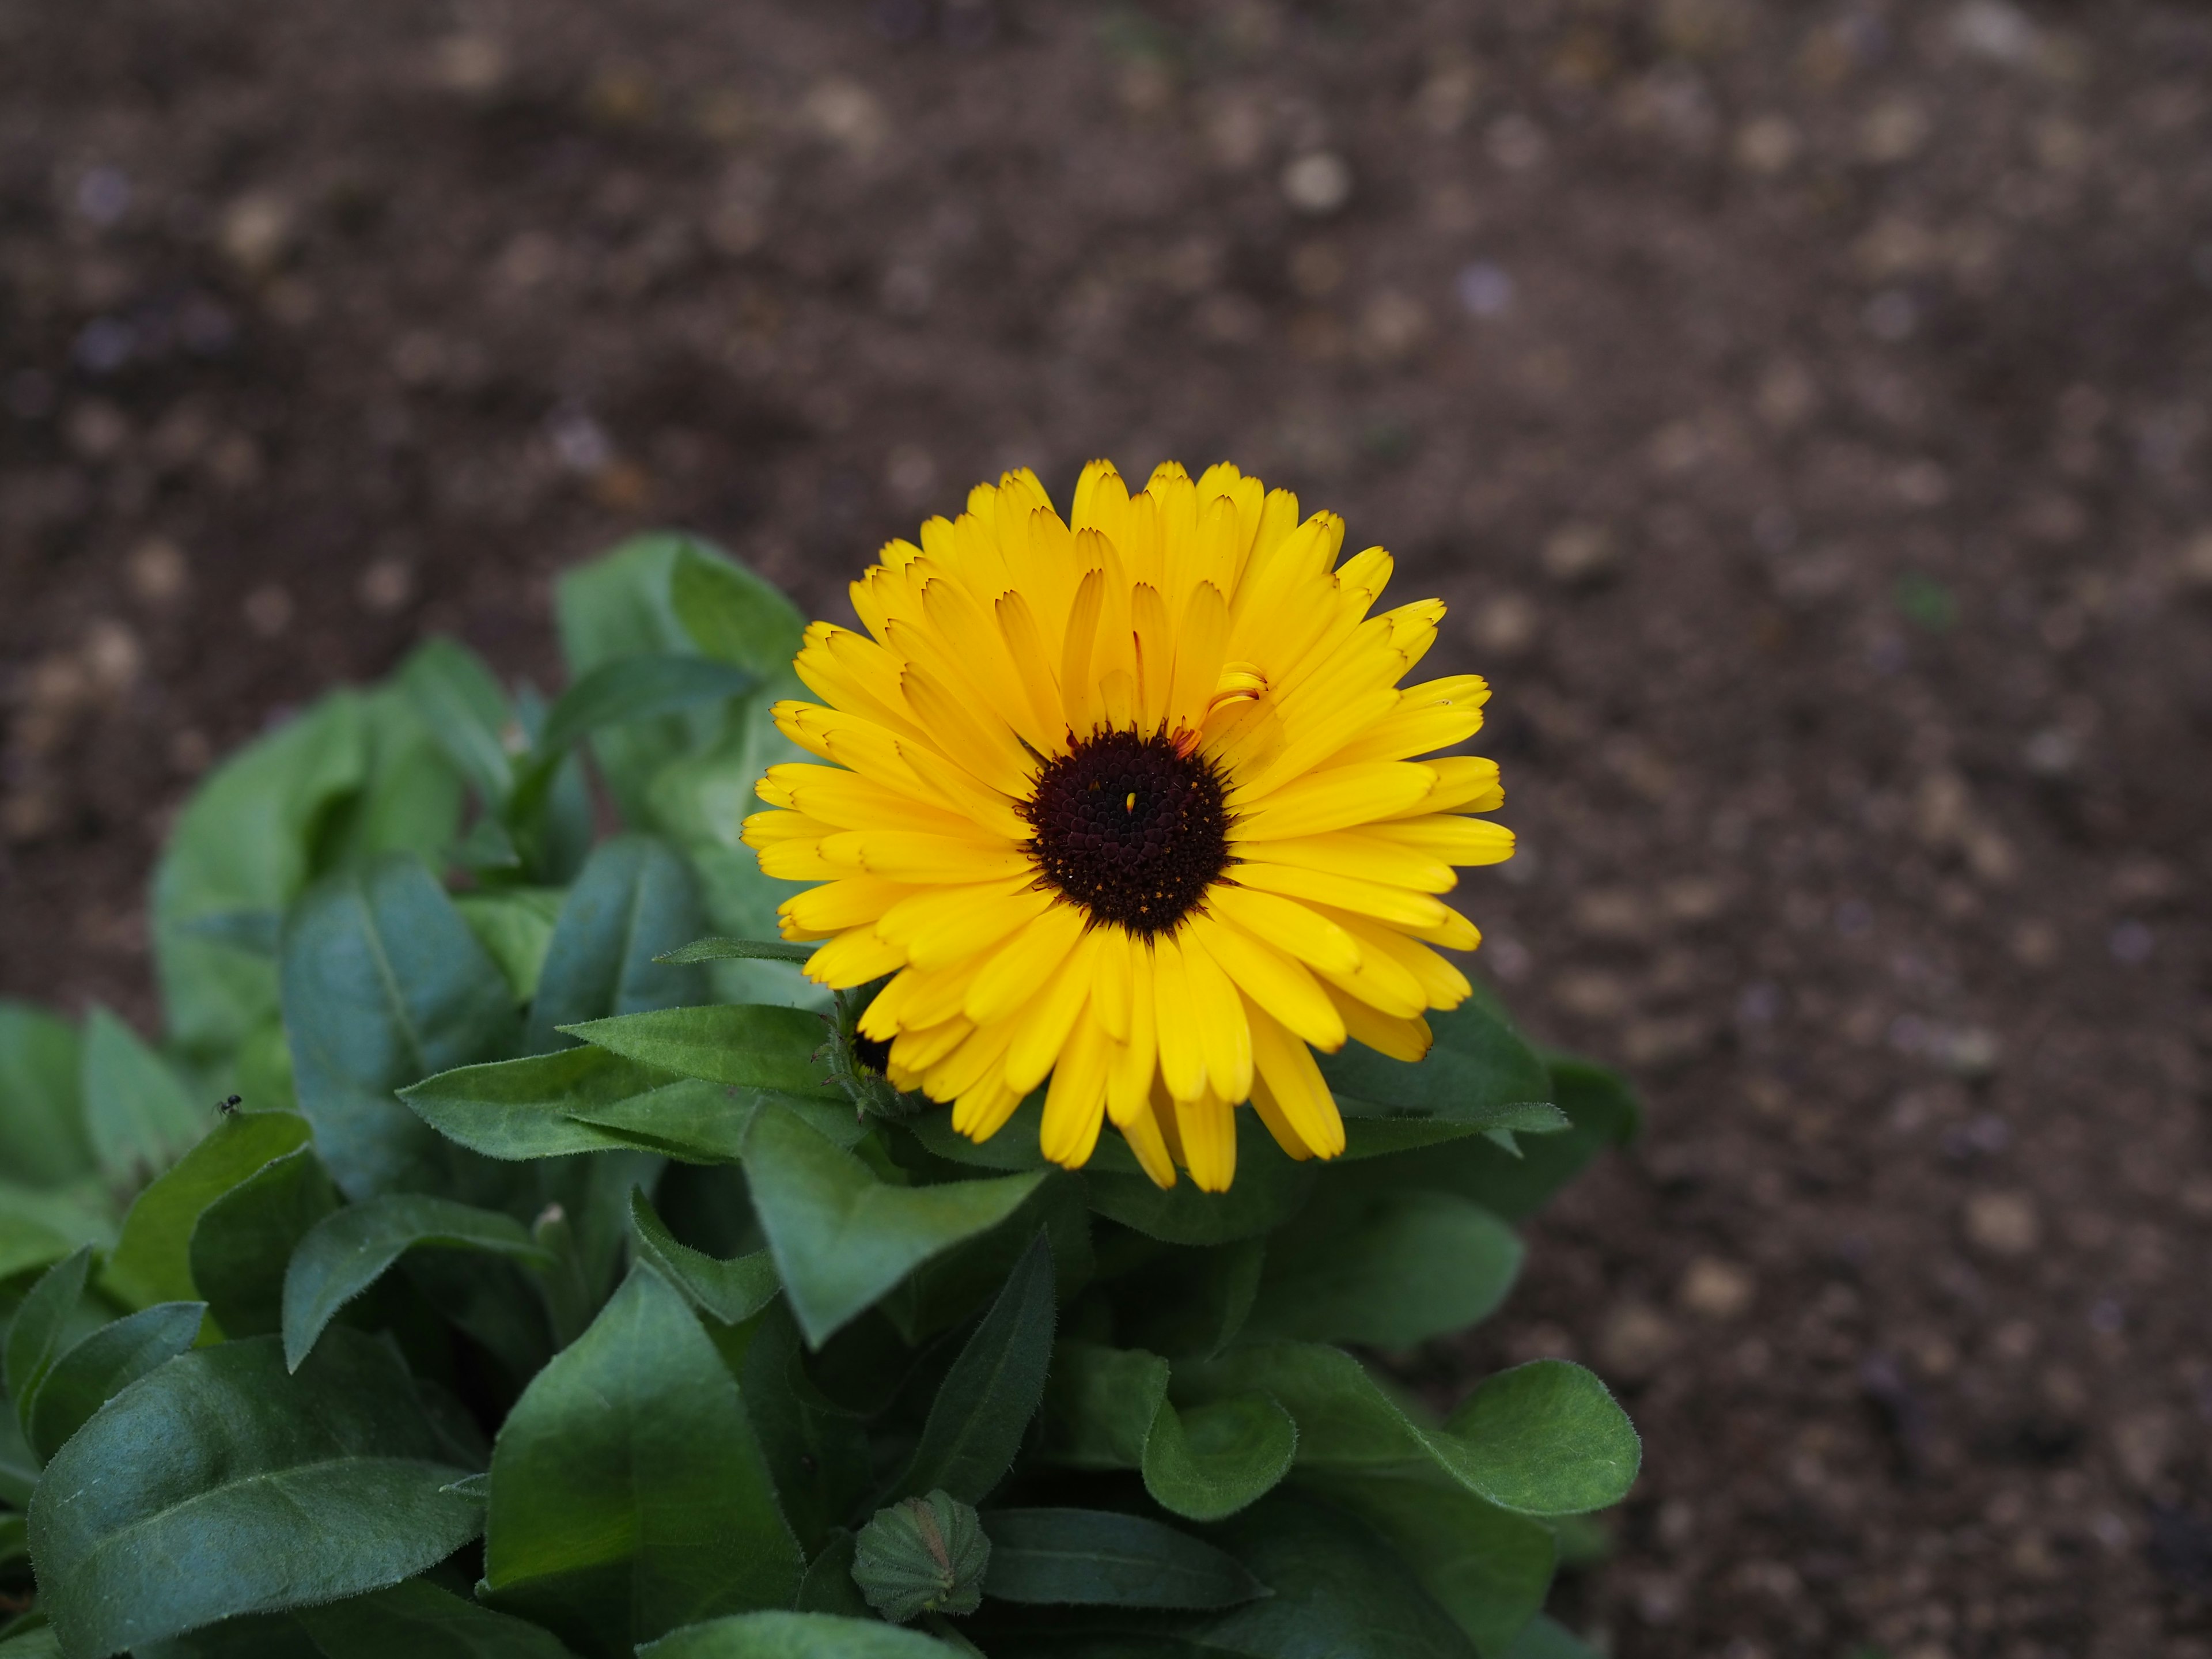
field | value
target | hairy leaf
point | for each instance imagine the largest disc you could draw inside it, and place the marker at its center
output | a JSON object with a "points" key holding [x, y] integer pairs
{"points": [[152, 1260], [730, 1291], [105, 1363], [243, 1241], [1388, 1269], [634, 900], [748, 1044], [984, 1404], [794, 1635], [1099, 1558]]}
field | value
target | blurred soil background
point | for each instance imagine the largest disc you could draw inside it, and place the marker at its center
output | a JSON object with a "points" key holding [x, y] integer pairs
{"points": [[1804, 409]]}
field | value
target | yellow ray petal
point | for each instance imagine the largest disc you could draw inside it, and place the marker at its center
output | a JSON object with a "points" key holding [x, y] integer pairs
{"points": [[839, 904], [1274, 981], [1042, 1027], [1300, 1091], [917, 1051], [906, 855], [1082, 637], [1075, 1105], [1405, 1037], [1333, 799], [1026, 648], [1154, 658], [853, 958], [1441, 983], [1198, 658], [1357, 852], [1399, 905], [982, 1111], [1224, 1034], [1011, 977], [1110, 982], [1207, 1128], [1448, 836], [942, 925], [980, 1059], [1278, 1125], [975, 739], [1290, 926], [1129, 1072], [1183, 1058], [1465, 783]]}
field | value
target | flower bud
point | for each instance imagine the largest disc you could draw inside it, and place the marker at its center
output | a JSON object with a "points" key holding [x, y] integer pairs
{"points": [[922, 1555]]}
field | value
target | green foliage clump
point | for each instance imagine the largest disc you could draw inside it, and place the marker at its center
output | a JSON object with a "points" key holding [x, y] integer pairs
{"points": [[563, 1282]]}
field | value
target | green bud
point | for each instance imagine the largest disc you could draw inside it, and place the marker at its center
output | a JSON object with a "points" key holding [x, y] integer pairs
{"points": [[850, 1068], [922, 1555]]}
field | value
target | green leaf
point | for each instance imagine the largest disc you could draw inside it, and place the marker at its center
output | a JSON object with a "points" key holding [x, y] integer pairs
{"points": [[730, 1291], [828, 1587], [1207, 1462], [218, 1485], [1193, 1302], [628, 1494], [750, 1044], [626, 689], [1603, 1111], [1388, 1269], [1480, 1065], [40, 1227], [1269, 1189], [152, 1261], [38, 1643], [1098, 1558], [244, 842], [1108, 1408], [138, 1117], [818, 1453], [105, 1363], [42, 1139], [384, 985], [634, 899], [985, 1403], [794, 1635], [37, 1334], [585, 1099], [1548, 1438], [739, 950], [841, 1235], [419, 1620], [242, 1241], [733, 615], [514, 925], [19, 1469], [349, 1250], [460, 704]]}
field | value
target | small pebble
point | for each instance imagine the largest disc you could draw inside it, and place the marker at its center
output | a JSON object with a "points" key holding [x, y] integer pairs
{"points": [[269, 611], [1579, 555], [2003, 1224], [386, 585], [1318, 182], [157, 570], [1715, 1290]]}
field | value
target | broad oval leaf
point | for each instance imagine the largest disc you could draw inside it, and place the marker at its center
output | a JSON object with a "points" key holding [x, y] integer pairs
{"points": [[515, 926], [243, 1241], [384, 985], [634, 900], [418, 1621], [794, 1635], [1207, 1462], [42, 1139], [983, 1406], [1388, 1269], [1548, 1438], [628, 1494], [639, 688], [137, 1114], [152, 1260], [40, 1226], [349, 1250], [105, 1363], [841, 1236], [1097, 1557], [220, 1484]]}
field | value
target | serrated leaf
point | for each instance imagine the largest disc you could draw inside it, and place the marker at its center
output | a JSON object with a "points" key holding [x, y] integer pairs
{"points": [[101, 1366], [219, 1485], [1387, 1269], [752, 1045], [138, 1116], [42, 1139], [243, 1240], [1548, 1438], [1097, 1557], [628, 1494], [984, 1406], [717, 949], [730, 1291], [634, 900], [794, 1635], [348, 1250], [384, 985], [841, 1235], [152, 1259]]}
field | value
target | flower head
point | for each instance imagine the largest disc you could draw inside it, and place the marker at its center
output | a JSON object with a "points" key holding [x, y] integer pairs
{"points": [[1129, 800]]}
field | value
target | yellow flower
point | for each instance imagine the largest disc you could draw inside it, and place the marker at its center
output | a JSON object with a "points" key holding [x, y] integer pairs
{"points": [[1127, 799]]}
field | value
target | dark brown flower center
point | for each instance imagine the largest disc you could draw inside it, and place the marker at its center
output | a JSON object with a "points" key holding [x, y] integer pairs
{"points": [[1130, 828]]}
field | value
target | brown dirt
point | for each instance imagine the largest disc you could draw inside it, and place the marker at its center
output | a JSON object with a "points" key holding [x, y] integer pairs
{"points": [[1803, 408]]}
